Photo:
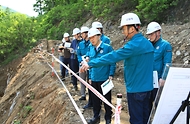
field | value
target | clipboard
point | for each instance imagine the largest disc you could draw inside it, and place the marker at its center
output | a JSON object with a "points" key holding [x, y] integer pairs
{"points": [[67, 45], [107, 86], [155, 79]]}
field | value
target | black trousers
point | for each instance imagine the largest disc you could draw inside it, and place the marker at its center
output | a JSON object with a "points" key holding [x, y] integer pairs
{"points": [[74, 68], [97, 102], [90, 101], [152, 98], [66, 61]]}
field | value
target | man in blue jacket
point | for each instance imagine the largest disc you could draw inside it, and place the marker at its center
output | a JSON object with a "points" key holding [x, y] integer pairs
{"points": [[138, 56], [81, 52], [103, 37], [97, 76], [74, 59], [162, 53]]}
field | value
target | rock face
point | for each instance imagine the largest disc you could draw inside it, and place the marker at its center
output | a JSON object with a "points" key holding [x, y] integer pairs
{"points": [[33, 90], [179, 37]]}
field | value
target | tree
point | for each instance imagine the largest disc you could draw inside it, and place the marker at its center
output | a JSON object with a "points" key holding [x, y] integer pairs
{"points": [[150, 10], [16, 33]]}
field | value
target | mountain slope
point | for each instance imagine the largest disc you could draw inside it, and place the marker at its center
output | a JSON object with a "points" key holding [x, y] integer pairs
{"points": [[4, 8]]}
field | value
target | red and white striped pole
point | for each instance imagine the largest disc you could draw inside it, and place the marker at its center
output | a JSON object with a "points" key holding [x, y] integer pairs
{"points": [[52, 73], [118, 109]]}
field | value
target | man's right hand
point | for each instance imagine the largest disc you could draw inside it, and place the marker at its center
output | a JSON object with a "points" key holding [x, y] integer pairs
{"points": [[84, 66], [161, 82]]}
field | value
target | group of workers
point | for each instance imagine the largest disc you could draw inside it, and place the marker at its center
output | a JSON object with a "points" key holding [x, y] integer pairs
{"points": [[91, 55]]}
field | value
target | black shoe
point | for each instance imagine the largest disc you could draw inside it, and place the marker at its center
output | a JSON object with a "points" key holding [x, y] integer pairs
{"points": [[83, 98], [87, 106], [108, 121], [63, 79], [94, 121]]}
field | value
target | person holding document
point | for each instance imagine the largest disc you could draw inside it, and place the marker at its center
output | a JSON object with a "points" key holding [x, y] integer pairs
{"points": [[138, 56], [67, 55], [162, 53], [81, 52], [64, 55], [97, 76]]}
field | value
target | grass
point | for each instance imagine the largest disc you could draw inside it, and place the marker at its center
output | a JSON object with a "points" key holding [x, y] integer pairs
{"points": [[16, 122], [26, 110]]}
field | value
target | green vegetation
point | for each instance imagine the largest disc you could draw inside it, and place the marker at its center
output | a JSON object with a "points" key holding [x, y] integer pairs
{"points": [[26, 110], [150, 10], [16, 35], [16, 122], [19, 33]]}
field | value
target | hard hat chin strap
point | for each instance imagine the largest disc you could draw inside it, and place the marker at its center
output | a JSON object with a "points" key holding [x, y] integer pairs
{"points": [[129, 33], [156, 38]]}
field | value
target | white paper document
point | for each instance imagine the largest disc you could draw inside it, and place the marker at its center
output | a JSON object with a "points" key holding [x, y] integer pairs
{"points": [[67, 45], [107, 86], [155, 79], [175, 90]]}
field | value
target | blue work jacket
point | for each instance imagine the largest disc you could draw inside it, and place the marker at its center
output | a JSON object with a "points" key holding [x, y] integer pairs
{"points": [[105, 39], [82, 49], [100, 73], [138, 56], [162, 56], [74, 45]]}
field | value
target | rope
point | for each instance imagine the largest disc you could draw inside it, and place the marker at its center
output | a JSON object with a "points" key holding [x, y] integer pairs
{"points": [[72, 100]]}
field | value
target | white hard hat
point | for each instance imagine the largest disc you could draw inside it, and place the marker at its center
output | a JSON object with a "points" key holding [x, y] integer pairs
{"points": [[129, 19], [97, 25], [66, 35], [152, 27], [76, 31], [84, 29], [93, 31]]}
